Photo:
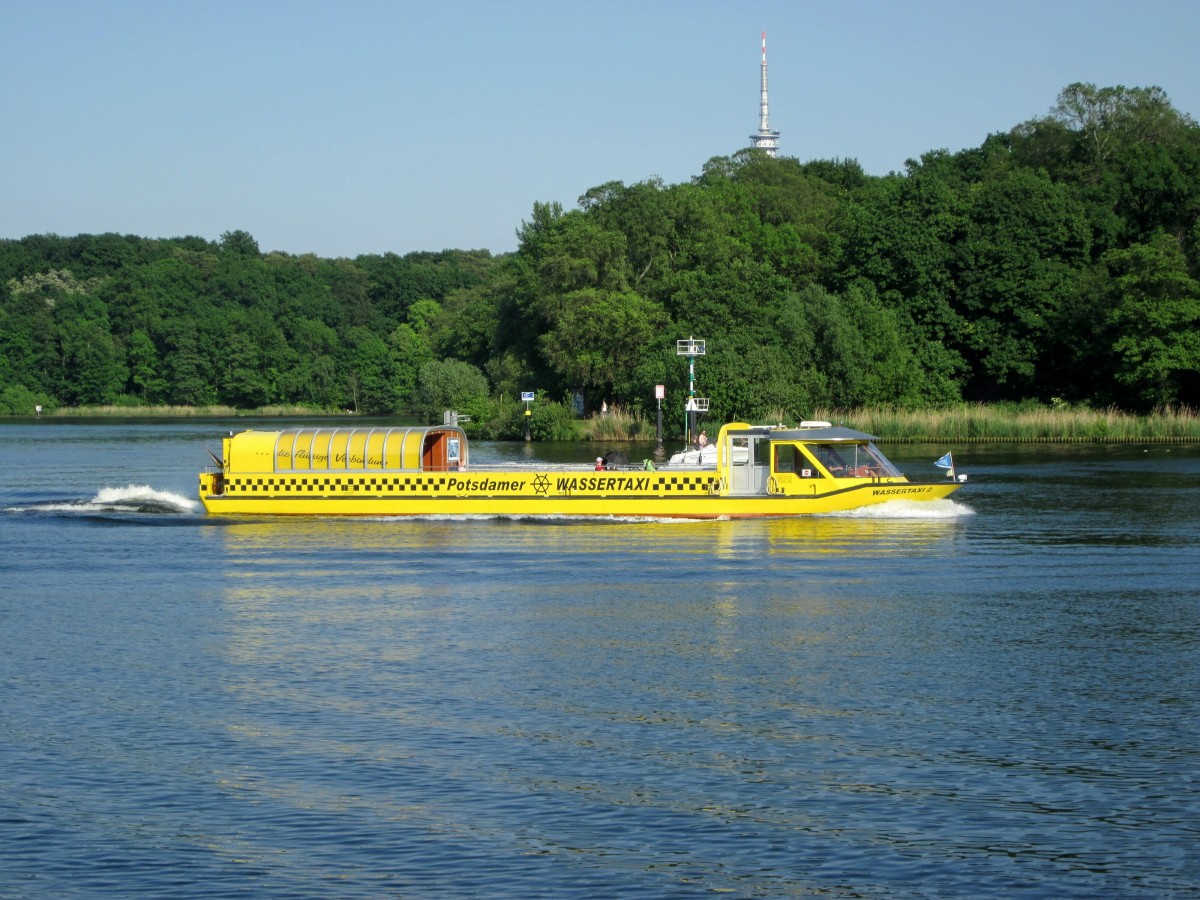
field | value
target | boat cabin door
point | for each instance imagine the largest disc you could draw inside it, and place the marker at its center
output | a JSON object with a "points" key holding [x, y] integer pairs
{"points": [[750, 464]]}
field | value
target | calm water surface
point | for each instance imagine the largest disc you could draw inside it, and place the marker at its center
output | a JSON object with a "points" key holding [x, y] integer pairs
{"points": [[994, 696]]}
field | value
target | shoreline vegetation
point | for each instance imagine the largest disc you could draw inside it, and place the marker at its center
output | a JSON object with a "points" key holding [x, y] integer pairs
{"points": [[215, 411], [981, 424], [1058, 259], [965, 423]]}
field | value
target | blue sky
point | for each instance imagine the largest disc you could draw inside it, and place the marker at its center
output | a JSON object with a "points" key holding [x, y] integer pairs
{"points": [[349, 127]]}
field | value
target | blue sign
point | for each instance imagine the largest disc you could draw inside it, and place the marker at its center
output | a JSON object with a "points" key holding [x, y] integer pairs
{"points": [[526, 396]]}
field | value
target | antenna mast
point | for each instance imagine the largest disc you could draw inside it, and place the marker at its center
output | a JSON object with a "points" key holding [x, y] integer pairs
{"points": [[764, 139]]}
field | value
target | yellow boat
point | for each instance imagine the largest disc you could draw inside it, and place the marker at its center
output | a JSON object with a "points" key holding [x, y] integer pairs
{"points": [[750, 471]]}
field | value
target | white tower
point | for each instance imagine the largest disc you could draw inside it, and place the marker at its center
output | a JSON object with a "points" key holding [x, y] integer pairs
{"points": [[764, 138]]}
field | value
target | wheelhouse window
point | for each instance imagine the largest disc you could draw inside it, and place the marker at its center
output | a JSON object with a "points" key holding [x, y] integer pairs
{"points": [[854, 461]]}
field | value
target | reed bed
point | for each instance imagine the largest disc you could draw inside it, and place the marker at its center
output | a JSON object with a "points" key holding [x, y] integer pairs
{"points": [[178, 412], [1020, 424], [619, 424], [967, 423]]}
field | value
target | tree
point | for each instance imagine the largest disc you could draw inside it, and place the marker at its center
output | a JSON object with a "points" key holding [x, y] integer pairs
{"points": [[466, 329], [409, 351], [372, 372], [1024, 242], [315, 376], [93, 365], [1131, 156], [239, 243], [449, 384], [1156, 320], [144, 368], [902, 235], [598, 337], [245, 383], [188, 369], [642, 212], [18, 400], [62, 340], [1104, 116]]}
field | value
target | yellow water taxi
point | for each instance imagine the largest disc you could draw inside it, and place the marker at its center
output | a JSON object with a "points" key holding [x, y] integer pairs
{"points": [[749, 471]]}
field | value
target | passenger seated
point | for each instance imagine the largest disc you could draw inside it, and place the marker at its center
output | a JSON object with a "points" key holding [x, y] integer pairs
{"points": [[832, 461]]}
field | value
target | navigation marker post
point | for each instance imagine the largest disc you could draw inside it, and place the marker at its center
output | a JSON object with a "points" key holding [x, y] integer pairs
{"points": [[691, 348], [527, 397], [660, 391]]}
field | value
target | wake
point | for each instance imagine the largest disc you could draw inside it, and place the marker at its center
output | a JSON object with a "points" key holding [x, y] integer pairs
{"points": [[907, 509], [133, 498]]}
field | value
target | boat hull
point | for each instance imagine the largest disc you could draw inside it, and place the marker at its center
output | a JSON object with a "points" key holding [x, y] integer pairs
{"points": [[648, 495], [756, 472]]}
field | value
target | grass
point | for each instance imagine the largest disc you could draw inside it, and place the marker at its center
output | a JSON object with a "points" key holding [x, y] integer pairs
{"points": [[618, 424], [179, 412], [1019, 424], [966, 423]]}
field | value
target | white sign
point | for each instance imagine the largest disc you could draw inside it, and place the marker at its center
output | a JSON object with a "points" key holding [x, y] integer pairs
{"points": [[660, 391], [526, 396]]}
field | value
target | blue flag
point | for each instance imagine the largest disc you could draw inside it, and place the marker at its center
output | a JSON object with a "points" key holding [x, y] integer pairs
{"points": [[946, 462]]}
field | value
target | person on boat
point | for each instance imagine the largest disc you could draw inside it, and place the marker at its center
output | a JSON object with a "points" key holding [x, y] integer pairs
{"points": [[702, 441], [832, 461], [600, 464]]}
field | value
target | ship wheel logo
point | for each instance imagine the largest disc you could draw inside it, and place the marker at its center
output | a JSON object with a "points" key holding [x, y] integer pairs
{"points": [[541, 484]]}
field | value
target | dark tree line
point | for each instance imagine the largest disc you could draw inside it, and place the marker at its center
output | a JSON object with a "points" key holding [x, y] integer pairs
{"points": [[1058, 260], [102, 319]]}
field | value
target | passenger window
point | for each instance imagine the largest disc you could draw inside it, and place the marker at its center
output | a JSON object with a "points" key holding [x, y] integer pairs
{"points": [[805, 467], [762, 452], [790, 459]]}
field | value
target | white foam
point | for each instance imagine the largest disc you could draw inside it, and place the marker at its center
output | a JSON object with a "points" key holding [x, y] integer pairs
{"points": [[131, 498], [908, 509], [142, 494]]}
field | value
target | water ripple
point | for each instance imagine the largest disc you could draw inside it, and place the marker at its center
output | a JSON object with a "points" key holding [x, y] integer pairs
{"points": [[997, 700]]}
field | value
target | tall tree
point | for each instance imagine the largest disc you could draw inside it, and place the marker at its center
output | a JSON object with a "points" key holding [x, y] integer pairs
{"points": [[1155, 318], [598, 337], [1024, 243]]}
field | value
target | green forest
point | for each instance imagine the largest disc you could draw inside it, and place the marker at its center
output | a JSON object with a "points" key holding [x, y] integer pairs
{"points": [[1058, 262]]}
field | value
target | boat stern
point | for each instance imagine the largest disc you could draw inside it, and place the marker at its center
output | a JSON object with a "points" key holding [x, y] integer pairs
{"points": [[212, 484]]}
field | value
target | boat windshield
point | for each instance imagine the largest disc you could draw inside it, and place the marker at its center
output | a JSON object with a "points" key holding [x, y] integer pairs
{"points": [[854, 460]]}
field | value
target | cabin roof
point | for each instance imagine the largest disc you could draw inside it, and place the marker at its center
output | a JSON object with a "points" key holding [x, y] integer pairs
{"points": [[832, 433], [355, 449]]}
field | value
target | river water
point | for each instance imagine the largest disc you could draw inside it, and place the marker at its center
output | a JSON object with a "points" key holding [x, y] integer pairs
{"points": [[990, 696]]}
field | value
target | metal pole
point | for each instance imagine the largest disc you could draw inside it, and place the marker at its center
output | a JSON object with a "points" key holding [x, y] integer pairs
{"points": [[691, 410], [658, 450]]}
